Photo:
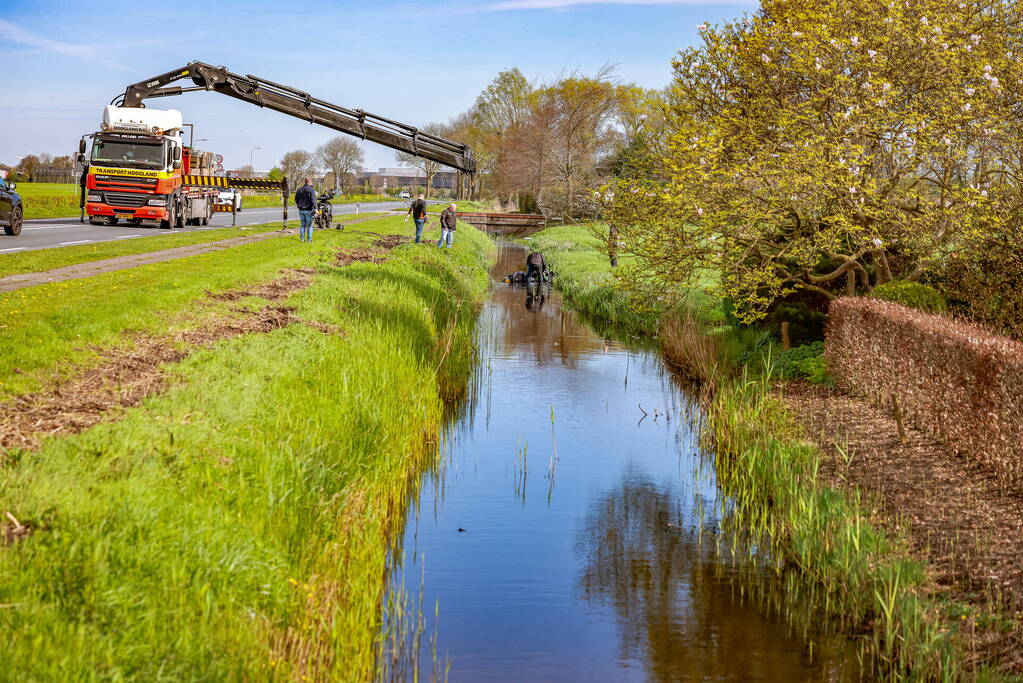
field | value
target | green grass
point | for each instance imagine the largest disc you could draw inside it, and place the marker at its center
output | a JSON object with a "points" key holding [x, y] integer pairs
{"points": [[49, 200], [235, 526], [39, 260], [59, 324], [266, 200]]}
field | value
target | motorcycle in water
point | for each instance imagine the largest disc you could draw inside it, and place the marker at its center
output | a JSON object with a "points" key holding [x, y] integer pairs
{"points": [[325, 211]]}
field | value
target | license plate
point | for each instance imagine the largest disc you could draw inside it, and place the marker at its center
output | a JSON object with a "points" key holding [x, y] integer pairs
{"points": [[129, 214]]}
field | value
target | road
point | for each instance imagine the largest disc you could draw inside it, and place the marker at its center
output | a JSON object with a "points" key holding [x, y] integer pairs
{"points": [[45, 233]]}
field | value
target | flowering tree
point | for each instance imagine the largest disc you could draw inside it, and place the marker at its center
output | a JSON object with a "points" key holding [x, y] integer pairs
{"points": [[820, 144]]}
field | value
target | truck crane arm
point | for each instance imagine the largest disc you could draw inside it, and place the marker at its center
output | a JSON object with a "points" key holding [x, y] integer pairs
{"points": [[287, 100]]}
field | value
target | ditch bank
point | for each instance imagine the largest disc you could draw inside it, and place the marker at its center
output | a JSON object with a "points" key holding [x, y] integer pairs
{"points": [[838, 557], [233, 522]]}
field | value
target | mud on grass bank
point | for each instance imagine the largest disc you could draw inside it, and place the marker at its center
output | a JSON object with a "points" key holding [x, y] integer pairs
{"points": [[235, 524]]}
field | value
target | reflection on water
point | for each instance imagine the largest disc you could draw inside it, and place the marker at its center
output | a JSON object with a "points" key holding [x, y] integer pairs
{"points": [[571, 531]]}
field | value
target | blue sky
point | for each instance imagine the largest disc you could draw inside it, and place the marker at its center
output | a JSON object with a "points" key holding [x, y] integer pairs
{"points": [[61, 62]]}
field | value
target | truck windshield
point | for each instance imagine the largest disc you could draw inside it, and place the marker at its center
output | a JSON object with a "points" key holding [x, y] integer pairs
{"points": [[128, 154]]}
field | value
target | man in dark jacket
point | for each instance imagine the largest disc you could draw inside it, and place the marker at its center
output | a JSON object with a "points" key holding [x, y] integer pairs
{"points": [[305, 200], [535, 263], [448, 220], [418, 212]]}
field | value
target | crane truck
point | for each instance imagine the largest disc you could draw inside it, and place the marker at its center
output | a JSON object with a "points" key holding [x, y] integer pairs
{"points": [[139, 171], [138, 156]]}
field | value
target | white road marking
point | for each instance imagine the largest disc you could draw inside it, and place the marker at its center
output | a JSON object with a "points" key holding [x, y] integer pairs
{"points": [[12, 249], [50, 227], [64, 244], [124, 237]]}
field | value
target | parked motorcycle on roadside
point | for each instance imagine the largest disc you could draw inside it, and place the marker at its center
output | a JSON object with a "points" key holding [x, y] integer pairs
{"points": [[325, 210]]}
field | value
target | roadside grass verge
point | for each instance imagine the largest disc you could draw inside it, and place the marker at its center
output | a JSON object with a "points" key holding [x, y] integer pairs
{"points": [[38, 260], [835, 563], [54, 328], [236, 526]]}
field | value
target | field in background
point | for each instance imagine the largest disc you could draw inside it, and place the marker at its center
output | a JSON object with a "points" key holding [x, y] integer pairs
{"points": [[60, 200]]}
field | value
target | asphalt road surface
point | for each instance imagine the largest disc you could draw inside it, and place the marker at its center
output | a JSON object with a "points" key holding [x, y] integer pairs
{"points": [[45, 233]]}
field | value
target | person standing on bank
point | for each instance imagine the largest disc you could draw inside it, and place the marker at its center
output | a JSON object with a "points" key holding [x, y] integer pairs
{"points": [[418, 212], [305, 200], [448, 220]]}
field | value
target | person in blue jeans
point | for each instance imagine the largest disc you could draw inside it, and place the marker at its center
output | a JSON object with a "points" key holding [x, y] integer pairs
{"points": [[418, 212], [448, 221], [305, 201]]}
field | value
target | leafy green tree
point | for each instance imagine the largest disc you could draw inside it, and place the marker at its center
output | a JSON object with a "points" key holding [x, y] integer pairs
{"points": [[814, 140]]}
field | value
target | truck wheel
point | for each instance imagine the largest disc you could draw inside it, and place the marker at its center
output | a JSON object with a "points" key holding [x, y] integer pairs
{"points": [[14, 229], [169, 222], [111, 220], [181, 217]]}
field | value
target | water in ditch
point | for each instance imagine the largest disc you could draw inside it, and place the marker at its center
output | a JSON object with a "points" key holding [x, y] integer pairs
{"points": [[571, 530]]}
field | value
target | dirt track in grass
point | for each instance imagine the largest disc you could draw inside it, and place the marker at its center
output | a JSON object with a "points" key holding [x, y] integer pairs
{"points": [[958, 517], [128, 374]]}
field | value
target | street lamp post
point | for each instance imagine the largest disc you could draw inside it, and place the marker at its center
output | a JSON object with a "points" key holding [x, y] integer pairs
{"points": [[250, 155]]}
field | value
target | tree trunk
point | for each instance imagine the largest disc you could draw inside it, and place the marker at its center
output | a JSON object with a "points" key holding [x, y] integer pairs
{"points": [[885, 270]]}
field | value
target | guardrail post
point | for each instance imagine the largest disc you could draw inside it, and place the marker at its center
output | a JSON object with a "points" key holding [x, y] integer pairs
{"points": [[284, 197]]}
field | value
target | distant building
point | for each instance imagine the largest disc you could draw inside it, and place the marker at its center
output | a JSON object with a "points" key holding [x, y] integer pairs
{"points": [[247, 174], [405, 179]]}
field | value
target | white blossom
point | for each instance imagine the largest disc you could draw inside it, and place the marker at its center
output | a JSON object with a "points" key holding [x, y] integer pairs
{"points": [[699, 211], [871, 53], [987, 68], [764, 58], [969, 91], [855, 41], [967, 107], [878, 242], [924, 21]]}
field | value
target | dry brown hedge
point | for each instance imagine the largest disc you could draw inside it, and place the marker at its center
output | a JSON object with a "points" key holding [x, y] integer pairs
{"points": [[956, 381]]}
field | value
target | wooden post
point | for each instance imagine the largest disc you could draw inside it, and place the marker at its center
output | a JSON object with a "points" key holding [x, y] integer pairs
{"points": [[786, 342], [898, 418], [284, 196]]}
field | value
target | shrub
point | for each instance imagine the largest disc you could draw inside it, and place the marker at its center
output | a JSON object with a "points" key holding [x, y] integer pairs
{"points": [[956, 381], [805, 324], [803, 362], [984, 279], [912, 294]]}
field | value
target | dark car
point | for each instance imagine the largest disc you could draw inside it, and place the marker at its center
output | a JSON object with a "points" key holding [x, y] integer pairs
{"points": [[11, 208]]}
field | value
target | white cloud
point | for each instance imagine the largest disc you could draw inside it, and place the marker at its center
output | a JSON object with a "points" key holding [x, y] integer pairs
{"points": [[17, 34], [507, 5]]}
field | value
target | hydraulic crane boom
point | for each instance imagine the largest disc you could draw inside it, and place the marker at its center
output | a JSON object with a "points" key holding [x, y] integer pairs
{"points": [[287, 100]]}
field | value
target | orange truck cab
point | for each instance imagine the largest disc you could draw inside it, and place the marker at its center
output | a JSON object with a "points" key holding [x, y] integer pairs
{"points": [[137, 170]]}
